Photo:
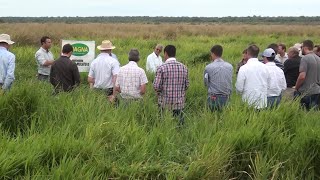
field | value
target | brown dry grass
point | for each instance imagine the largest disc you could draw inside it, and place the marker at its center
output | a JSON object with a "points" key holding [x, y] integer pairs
{"points": [[30, 33]]}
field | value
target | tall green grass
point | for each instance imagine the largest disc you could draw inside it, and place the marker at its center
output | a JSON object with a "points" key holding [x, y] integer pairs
{"points": [[79, 135]]}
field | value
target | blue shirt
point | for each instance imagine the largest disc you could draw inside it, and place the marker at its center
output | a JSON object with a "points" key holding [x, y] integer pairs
{"points": [[7, 66]]}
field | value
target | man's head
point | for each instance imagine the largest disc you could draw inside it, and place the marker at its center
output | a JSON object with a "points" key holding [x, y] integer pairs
{"points": [[316, 50], [306, 47], [45, 42], [67, 50], [244, 55], [293, 52], [252, 51], [268, 55], [5, 41], [134, 55], [216, 52], [158, 49], [282, 49], [274, 46], [169, 51]]}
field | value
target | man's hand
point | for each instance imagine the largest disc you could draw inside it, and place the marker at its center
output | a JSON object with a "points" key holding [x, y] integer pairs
{"points": [[112, 98]]}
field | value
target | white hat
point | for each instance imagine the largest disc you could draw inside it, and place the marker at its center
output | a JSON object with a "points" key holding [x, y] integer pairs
{"points": [[268, 53], [5, 38], [106, 45]]}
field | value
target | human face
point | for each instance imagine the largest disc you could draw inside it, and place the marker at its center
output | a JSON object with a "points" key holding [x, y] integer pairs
{"points": [[47, 44], [280, 50], [158, 50]]}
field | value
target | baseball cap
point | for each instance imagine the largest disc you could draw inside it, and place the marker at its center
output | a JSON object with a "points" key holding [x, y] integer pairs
{"points": [[268, 53]]}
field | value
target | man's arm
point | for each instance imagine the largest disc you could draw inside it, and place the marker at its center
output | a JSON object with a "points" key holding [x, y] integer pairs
{"points": [[302, 74], [10, 74], [52, 76], [240, 81], [42, 61], [187, 80], [143, 82], [157, 83], [76, 75], [206, 78]]}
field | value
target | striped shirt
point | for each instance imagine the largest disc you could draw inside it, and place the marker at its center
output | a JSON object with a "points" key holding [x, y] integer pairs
{"points": [[171, 83], [129, 79], [218, 77]]}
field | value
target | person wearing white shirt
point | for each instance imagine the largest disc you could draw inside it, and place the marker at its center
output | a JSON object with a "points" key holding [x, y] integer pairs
{"points": [[154, 59], [44, 58], [252, 80], [282, 56], [103, 70], [277, 82]]}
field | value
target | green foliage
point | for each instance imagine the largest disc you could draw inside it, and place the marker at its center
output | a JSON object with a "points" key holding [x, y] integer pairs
{"points": [[79, 135]]}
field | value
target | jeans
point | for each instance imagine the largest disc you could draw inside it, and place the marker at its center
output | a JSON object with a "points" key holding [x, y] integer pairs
{"points": [[309, 102], [273, 101], [42, 77], [217, 102], [176, 113]]}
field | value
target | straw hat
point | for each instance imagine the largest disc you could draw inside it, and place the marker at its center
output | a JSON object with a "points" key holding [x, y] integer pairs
{"points": [[5, 38], [106, 45]]}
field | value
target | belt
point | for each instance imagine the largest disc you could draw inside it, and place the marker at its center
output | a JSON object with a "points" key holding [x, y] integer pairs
{"points": [[221, 95], [42, 75]]}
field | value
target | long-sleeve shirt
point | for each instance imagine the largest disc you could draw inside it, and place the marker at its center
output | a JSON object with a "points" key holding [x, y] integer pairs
{"points": [[153, 61], [218, 77], [42, 55], [277, 82], [171, 83], [252, 83], [64, 74], [7, 67]]}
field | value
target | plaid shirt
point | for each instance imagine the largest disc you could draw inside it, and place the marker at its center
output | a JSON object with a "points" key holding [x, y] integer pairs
{"points": [[129, 79], [171, 83]]}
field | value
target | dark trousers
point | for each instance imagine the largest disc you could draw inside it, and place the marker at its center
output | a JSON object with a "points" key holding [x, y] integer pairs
{"points": [[217, 102], [42, 77], [107, 92], [176, 113], [309, 102], [273, 101]]}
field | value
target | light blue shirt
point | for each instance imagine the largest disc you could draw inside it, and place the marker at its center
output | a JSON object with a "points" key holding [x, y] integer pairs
{"points": [[7, 66]]}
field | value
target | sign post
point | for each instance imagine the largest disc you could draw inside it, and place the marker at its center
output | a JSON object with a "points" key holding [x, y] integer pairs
{"points": [[83, 53]]}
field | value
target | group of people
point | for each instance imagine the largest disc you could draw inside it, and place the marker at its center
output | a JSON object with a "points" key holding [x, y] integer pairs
{"points": [[262, 83]]}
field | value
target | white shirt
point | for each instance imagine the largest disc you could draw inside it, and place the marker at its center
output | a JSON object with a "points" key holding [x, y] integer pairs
{"points": [[252, 83], [42, 56], [129, 79], [153, 61], [282, 59], [277, 82], [102, 69]]}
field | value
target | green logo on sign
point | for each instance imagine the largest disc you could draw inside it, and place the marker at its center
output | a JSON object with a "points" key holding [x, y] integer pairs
{"points": [[80, 49]]}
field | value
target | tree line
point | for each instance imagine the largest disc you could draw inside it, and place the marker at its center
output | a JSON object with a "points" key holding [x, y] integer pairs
{"points": [[164, 19]]}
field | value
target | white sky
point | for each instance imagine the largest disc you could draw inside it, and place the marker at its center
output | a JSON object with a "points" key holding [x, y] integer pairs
{"points": [[208, 8]]}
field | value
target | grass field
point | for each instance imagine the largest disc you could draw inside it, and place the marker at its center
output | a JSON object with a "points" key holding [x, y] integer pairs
{"points": [[79, 135]]}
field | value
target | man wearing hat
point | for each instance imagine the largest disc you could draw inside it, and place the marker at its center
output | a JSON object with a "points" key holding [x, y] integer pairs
{"points": [[132, 80], [7, 63], [104, 69], [277, 82]]}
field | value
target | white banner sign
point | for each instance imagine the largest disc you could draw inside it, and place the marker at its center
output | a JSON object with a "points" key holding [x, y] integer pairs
{"points": [[83, 53]]}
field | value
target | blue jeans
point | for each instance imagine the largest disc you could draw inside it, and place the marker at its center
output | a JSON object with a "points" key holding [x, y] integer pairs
{"points": [[217, 102], [273, 101], [312, 101]]}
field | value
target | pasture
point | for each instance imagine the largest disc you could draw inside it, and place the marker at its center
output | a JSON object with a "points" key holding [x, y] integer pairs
{"points": [[79, 135]]}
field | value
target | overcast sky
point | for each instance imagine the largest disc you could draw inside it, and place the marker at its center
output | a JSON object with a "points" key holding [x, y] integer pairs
{"points": [[208, 8]]}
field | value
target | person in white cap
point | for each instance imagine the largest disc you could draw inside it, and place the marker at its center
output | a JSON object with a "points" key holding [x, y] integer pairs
{"points": [[252, 80], [104, 69], [154, 59], [7, 63], [277, 82], [44, 58]]}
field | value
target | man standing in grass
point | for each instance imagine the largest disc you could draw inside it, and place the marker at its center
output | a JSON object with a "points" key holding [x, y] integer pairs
{"points": [[252, 80], [64, 74], [171, 83], [308, 83], [218, 79], [277, 82], [154, 59], [291, 71], [131, 81], [7, 63], [282, 56], [103, 70], [44, 59]]}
